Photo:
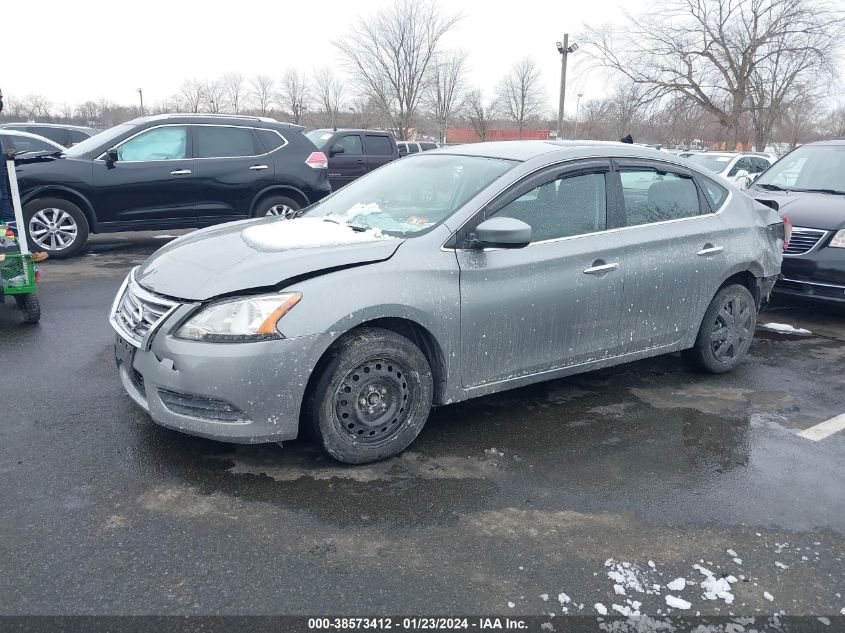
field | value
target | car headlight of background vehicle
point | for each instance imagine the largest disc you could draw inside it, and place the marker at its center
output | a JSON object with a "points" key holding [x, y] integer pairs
{"points": [[239, 320], [838, 240]]}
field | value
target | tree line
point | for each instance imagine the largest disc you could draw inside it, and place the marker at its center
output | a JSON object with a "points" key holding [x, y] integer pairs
{"points": [[688, 73]]}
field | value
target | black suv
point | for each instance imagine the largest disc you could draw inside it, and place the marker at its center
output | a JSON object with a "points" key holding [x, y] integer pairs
{"points": [[167, 172], [67, 135], [353, 153]]}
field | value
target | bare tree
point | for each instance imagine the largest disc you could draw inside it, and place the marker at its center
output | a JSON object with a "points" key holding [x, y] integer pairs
{"points": [[708, 50], [521, 94], [627, 108], [36, 106], [391, 52], [234, 88], [798, 121], [66, 111], [294, 94], [191, 94], [328, 91], [214, 96], [446, 88], [833, 124], [262, 93], [480, 112]]}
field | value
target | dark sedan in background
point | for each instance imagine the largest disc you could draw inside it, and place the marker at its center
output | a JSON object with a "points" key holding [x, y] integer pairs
{"points": [[808, 187], [167, 172]]}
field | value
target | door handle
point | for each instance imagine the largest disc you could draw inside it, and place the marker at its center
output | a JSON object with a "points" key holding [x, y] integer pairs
{"points": [[709, 249], [258, 167], [600, 269], [180, 172]]}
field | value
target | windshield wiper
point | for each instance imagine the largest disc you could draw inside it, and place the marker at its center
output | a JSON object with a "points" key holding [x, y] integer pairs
{"points": [[354, 227], [766, 185], [834, 192]]}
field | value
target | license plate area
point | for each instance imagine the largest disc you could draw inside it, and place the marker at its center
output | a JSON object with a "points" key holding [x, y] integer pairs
{"points": [[124, 352]]}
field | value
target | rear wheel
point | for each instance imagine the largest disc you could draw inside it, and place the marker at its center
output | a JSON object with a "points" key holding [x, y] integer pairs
{"points": [[372, 397], [276, 206], [726, 331], [55, 226], [31, 308]]}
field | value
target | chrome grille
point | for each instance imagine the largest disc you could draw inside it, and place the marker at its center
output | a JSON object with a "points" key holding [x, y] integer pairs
{"points": [[137, 311], [803, 240]]}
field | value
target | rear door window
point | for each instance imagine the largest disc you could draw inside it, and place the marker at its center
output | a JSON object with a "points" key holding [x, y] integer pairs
{"points": [[428, 146], [55, 134], [378, 145], [759, 165], [715, 193], [216, 141], [653, 195], [413, 148], [77, 136]]}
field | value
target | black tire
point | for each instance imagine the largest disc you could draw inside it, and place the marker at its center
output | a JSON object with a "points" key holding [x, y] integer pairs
{"points": [[276, 205], [31, 308], [726, 331], [371, 398], [60, 240]]}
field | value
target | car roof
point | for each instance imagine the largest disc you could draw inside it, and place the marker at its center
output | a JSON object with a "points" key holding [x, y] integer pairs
{"points": [[351, 129], [59, 126], [212, 118], [526, 150], [833, 141]]}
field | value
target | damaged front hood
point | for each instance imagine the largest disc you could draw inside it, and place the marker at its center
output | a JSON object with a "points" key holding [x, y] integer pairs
{"points": [[252, 254]]}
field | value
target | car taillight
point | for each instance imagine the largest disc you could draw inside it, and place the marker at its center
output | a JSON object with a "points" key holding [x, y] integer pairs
{"points": [[317, 160]]}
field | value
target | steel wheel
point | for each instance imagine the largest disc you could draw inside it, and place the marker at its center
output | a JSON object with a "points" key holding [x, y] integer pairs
{"points": [[53, 229], [282, 210], [371, 402], [732, 329]]}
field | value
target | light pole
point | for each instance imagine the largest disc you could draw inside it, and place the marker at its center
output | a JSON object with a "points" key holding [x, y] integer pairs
{"points": [[577, 108], [141, 95], [564, 48]]}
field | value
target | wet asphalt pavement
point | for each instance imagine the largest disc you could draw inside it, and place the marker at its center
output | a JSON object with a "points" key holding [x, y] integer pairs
{"points": [[605, 487]]}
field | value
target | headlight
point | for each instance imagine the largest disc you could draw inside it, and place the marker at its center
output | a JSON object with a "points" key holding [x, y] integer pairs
{"points": [[239, 320], [838, 240]]}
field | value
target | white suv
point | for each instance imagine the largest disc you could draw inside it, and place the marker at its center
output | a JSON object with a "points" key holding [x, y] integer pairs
{"points": [[740, 168]]}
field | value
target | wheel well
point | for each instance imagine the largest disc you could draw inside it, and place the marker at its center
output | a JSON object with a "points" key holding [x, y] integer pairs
{"points": [[69, 196], [412, 331], [747, 279], [282, 191]]}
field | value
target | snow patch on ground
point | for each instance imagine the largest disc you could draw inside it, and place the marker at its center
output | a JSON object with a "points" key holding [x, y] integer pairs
{"points": [[677, 585], [768, 596], [715, 588], [626, 575], [731, 553], [785, 328], [563, 599], [781, 565], [304, 233], [598, 606], [677, 603]]}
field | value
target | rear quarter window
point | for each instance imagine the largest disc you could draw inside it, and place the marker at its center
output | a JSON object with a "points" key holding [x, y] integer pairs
{"points": [[270, 139], [715, 193]]}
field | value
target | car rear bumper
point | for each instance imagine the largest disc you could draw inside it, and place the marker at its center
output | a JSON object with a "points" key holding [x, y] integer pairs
{"points": [[810, 290], [240, 392]]}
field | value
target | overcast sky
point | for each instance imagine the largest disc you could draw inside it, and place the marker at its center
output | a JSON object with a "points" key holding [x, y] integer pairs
{"points": [[87, 49], [98, 48]]}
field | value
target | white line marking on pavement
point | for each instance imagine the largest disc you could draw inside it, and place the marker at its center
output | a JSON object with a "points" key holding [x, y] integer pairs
{"points": [[824, 429]]}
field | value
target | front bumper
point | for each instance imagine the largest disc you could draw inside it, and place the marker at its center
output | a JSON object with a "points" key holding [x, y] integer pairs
{"points": [[234, 392], [819, 274]]}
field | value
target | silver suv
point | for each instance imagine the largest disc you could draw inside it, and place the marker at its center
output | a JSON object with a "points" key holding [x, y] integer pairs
{"points": [[449, 275]]}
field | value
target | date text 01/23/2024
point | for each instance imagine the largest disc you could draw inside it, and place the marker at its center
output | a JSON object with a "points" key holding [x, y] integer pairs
{"points": [[416, 624]]}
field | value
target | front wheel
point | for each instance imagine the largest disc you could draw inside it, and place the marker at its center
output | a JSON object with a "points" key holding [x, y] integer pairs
{"points": [[726, 331], [372, 397]]}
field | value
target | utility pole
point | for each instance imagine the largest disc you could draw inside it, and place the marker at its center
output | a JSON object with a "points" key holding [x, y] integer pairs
{"points": [[577, 108], [141, 95], [564, 49]]}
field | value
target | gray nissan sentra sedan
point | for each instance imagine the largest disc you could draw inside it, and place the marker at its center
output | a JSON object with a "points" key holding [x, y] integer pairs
{"points": [[437, 278]]}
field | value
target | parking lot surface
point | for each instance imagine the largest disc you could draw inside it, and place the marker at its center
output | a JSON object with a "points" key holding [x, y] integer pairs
{"points": [[590, 493]]}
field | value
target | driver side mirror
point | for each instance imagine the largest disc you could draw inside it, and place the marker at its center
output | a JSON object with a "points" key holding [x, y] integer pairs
{"points": [[336, 149], [111, 156], [503, 232]]}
